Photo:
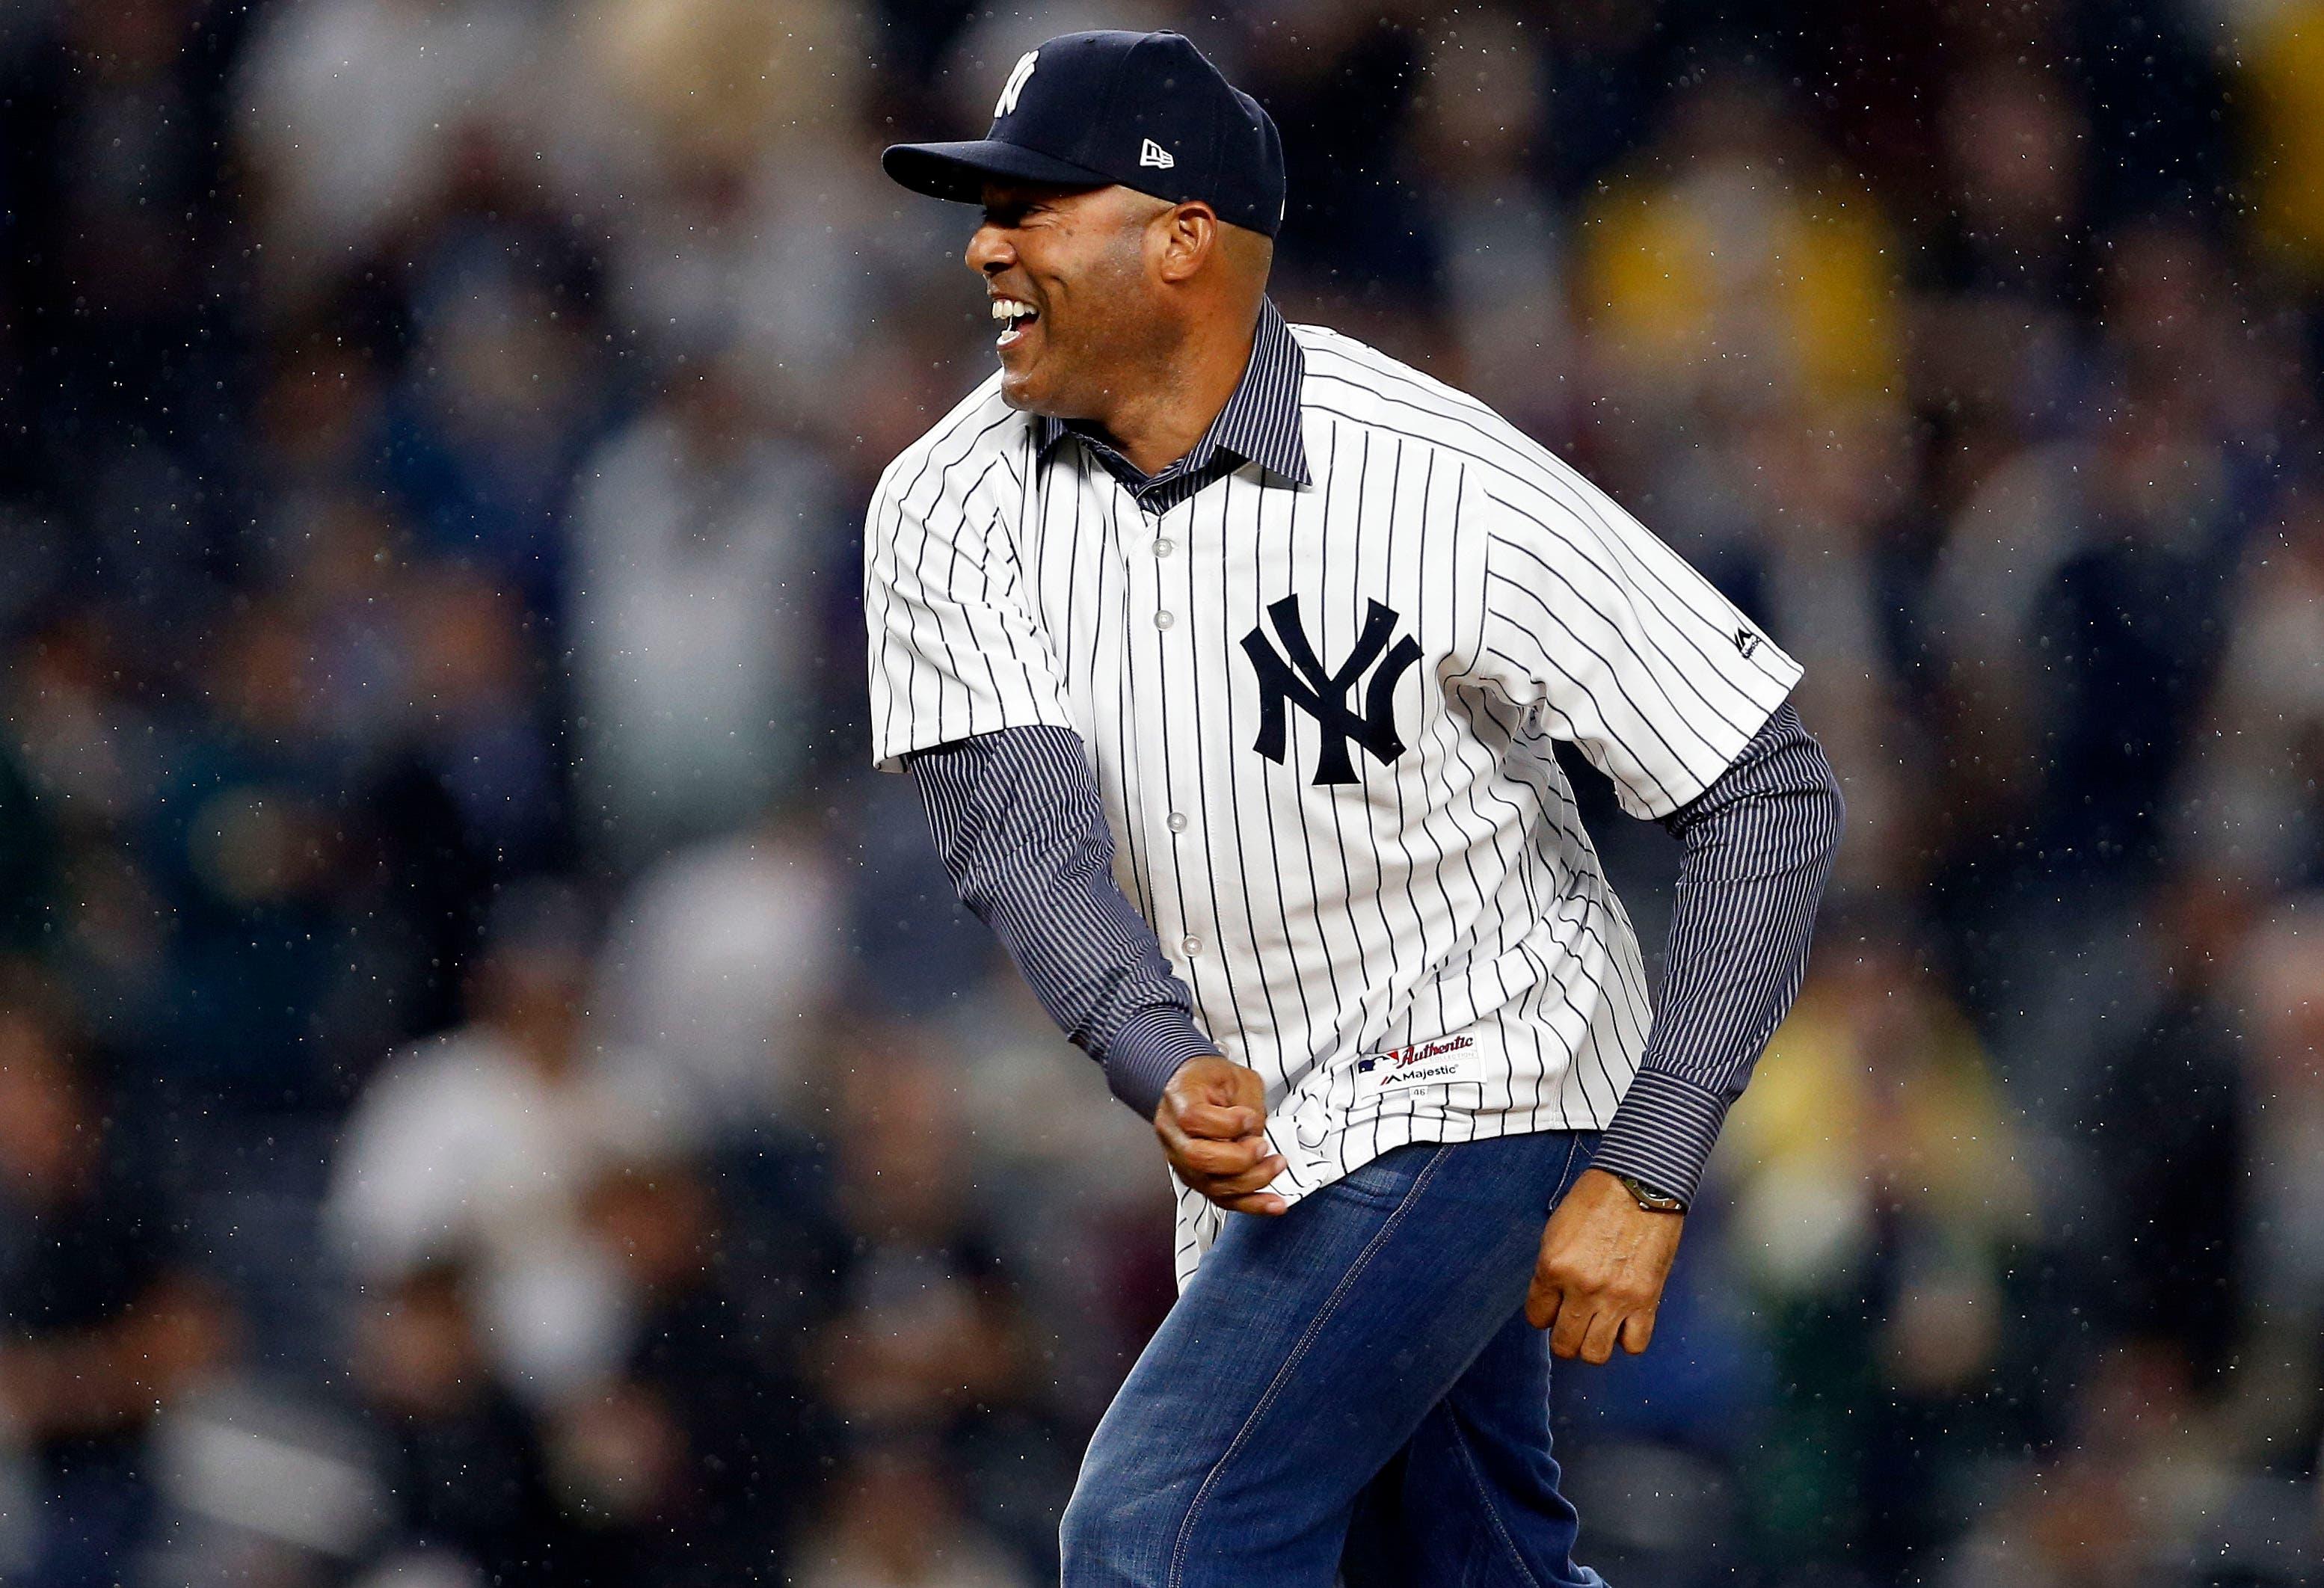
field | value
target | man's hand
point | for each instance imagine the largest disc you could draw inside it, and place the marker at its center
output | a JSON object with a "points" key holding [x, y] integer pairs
{"points": [[1600, 1275], [1212, 1122]]}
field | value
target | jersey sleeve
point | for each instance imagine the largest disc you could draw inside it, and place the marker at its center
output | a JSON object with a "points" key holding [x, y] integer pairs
{"points": [[955, 650], [1624, 649]]}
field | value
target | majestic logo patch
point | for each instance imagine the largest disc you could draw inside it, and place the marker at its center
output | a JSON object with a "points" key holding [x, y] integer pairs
{"points": [[1015, 85], [1153, 153], [1447, 1061], [1747, 642], [1302, 681]]}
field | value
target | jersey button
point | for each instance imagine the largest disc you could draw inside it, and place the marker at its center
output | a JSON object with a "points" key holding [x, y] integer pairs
{"points": [[1163, 548], [1190, 947], [1163, 620], [1178, 821]]}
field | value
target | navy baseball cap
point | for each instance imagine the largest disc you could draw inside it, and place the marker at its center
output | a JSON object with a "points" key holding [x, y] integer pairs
{"points": [[1089, 110]]}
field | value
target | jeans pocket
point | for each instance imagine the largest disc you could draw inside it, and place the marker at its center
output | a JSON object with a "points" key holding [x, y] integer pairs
{"points": [[1388, 1179], [1585, 1147]]}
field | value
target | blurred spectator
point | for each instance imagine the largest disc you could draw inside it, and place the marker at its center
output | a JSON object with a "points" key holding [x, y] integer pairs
{"points": [[249, 852], [932, 1337], [1504, 241], [473, 724], [2130, 624], [2013, 228], [486, 1139], [502, 396], [897, 1524], [355, 110], [1882, 1194], [2260, 812], [696, 1461], [103, 1321], [742, 224], [1341, 83], [421, 675], [113, 147], [2281, 1392], [694, 594], [2164, 1132], [89, 748], [2107, 1512], [463, 1462], [708, 77], [1817, 495], [320, 416], [724, 960], [2282, 49], [1740, 278]]}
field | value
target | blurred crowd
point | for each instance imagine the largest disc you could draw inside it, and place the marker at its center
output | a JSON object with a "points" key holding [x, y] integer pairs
{"points": [[493, 1090]]}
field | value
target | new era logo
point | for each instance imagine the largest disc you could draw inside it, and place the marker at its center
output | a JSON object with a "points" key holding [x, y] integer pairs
{"points": [[1154, 154]]}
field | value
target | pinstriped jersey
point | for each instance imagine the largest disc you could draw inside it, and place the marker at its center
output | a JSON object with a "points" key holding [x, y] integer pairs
{"points": [[1321, 716]]}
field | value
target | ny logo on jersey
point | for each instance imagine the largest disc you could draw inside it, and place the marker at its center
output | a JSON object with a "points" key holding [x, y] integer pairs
{"points": [[1305, 682]]}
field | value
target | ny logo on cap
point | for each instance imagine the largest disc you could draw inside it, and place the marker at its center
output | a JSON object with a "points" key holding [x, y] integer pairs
{"points": [[1154, 154], [1303, 680], [1015, 85]]}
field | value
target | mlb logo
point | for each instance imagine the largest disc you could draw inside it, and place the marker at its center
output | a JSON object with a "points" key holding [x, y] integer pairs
{"points": [[1365, 1067]]}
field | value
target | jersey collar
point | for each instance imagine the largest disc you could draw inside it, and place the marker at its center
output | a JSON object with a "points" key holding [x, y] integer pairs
{"points": [[1259, 424]]}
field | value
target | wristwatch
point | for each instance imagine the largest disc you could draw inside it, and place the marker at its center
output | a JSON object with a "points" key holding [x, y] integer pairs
{"points": [[1647, 1198]]}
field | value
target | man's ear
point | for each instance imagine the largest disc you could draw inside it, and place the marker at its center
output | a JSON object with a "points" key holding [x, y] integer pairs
{"points": [[1187, 236]]}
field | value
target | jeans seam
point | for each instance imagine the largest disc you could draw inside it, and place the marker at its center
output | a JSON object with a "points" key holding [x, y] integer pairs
{"points": [[1573, 1146], [1468, 1466], [1485, 1498], [1299, 1353]]}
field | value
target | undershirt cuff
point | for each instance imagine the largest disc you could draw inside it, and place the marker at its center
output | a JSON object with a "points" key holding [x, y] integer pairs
{"points": [[1662, 1133], [1148, 1051]]}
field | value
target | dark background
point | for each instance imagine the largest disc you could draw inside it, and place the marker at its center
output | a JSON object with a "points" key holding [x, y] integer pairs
{"points": [[494, 1089]]}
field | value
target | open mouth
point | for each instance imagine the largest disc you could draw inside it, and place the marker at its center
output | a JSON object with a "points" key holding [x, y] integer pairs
{"points": [[1015, 317]]}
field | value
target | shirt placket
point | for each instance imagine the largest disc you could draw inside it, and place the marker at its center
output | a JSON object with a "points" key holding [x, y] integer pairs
{"points": [[1168, 755]]}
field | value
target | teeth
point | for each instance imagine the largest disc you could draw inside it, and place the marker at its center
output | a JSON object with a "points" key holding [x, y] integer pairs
{"points": [[1009, 309]]}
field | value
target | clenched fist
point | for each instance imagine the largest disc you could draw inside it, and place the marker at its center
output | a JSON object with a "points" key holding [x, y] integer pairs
{"points": [[1212, 1122], [1600, 1275]]}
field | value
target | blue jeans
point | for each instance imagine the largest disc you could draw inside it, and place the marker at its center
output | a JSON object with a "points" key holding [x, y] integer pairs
{"points": [[1349, 1388]]}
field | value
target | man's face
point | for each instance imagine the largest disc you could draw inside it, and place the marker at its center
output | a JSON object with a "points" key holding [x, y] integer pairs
{"points": [[1076, 259]]}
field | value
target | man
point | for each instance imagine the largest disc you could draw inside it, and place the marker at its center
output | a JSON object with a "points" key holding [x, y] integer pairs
{"points": [[103, 1321], [1296, 626], [479, 1144]]}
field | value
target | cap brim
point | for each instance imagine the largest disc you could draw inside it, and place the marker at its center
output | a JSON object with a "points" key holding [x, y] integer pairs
{"points": [[958, 171]]}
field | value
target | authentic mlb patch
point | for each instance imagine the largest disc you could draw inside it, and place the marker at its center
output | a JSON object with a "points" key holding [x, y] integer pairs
{"points": [[1444, 1062]]}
